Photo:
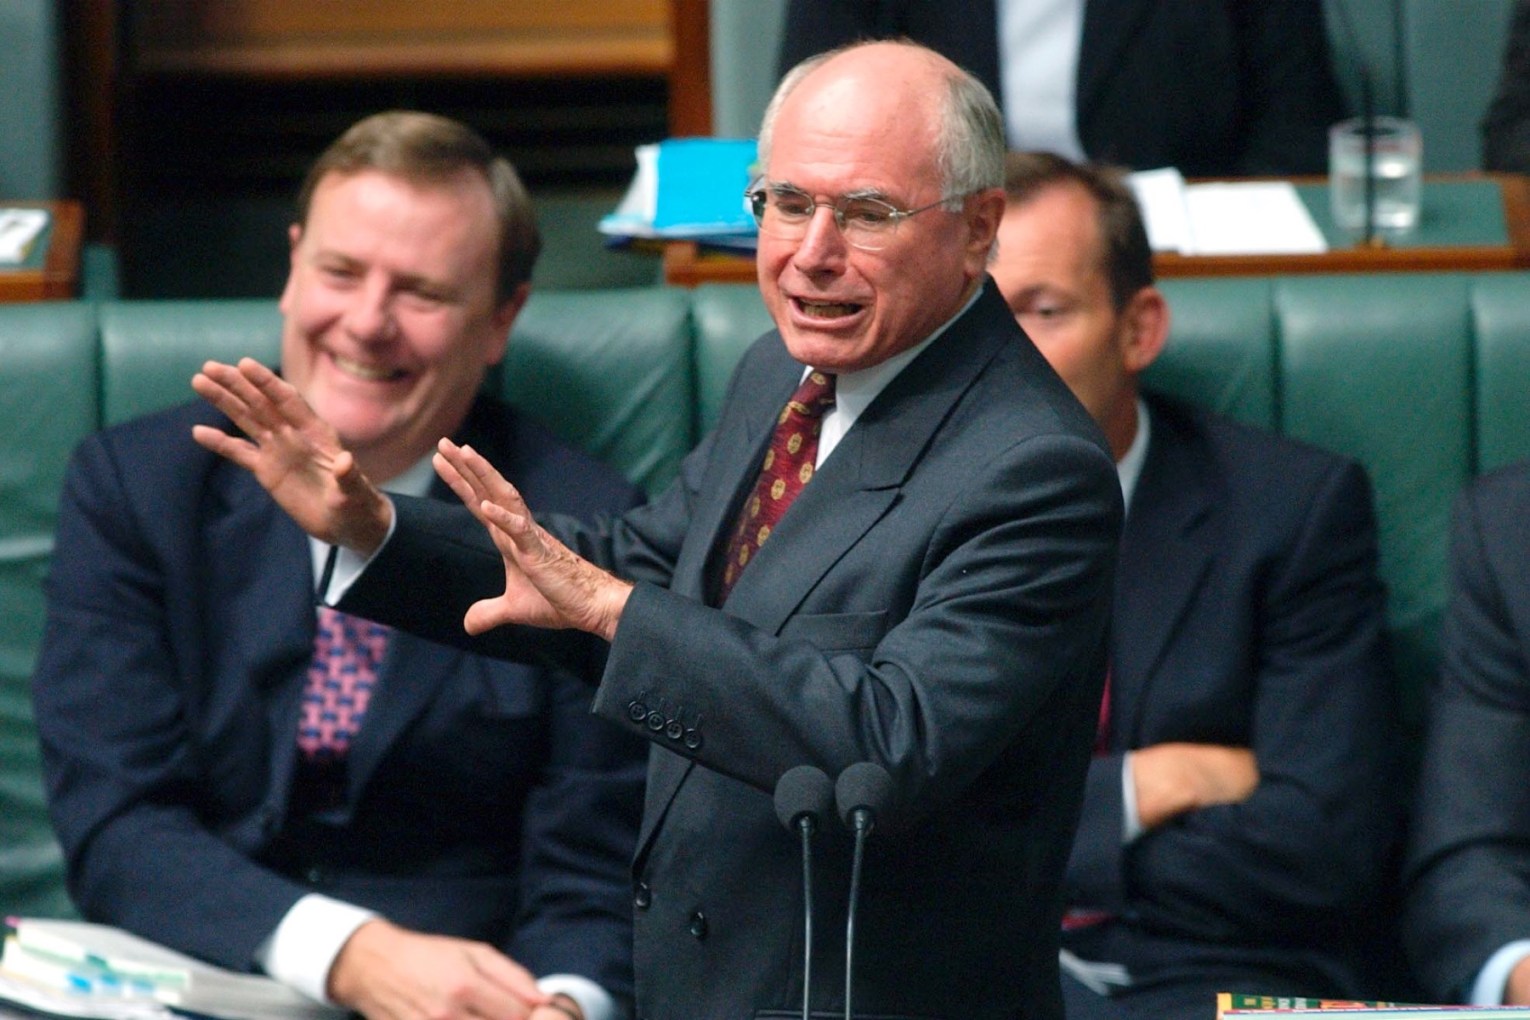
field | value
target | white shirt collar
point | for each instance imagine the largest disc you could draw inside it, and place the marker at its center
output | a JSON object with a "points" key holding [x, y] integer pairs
{"points": [[1129, 467], [854, 391], [414, 481]]}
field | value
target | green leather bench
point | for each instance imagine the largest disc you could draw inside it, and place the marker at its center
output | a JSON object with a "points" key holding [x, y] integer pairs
{"points": [[1422, 377]]}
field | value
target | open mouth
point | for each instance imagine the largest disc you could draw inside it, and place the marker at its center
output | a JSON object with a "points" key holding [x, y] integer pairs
{"points": [[826, 310], [369, 373]]}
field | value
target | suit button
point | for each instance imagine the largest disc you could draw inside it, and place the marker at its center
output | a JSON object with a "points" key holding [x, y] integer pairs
{"points": [[315, 876], [636, 710], [698, 925], [693, 740], [642, 896], [655, 721], [673, 730]]}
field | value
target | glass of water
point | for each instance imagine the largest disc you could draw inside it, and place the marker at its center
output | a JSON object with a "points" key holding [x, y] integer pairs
{"points": [[1396, 157]]}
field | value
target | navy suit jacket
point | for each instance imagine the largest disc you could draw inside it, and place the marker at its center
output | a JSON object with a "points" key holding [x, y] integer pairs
{"points": [[1213, 87], [935, 601], [1248, 612], [483, 800], [1468, 870]]}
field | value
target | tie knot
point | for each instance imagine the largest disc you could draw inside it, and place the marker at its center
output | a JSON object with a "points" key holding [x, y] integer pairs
{"points": [[815, 395]]}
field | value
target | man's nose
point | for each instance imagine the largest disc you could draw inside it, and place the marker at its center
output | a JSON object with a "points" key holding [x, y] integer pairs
{"points": [[369, 317], [823, 244]]}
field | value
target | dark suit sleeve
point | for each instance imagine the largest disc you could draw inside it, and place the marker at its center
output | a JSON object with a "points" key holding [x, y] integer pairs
{"points": [[444, 560], [1468, 872], [120, 764], [1314, 838], [580, 822]]}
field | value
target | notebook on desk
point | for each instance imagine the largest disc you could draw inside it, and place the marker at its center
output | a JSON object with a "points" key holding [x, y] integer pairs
{"points": [[78, 969]]}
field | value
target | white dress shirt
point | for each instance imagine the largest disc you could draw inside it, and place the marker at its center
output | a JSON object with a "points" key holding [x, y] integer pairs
{"points": [[1039, 42]]}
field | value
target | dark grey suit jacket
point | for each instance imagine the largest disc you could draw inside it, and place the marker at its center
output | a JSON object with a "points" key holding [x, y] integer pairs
{"points": [[483, 799], [935, 602], [1214, 87], [1248, 612], [1468, 871]]}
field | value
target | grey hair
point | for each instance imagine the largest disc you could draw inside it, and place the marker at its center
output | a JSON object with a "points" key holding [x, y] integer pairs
{"points": [[969, 139]]}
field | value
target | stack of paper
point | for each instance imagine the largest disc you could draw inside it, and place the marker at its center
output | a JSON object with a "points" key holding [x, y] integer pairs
{"points": [[1224, 218], [76, 969], [19, 230], [688, 188]]}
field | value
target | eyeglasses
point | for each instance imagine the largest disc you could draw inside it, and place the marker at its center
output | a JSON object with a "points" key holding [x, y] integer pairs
{"points": [[867, 223]]}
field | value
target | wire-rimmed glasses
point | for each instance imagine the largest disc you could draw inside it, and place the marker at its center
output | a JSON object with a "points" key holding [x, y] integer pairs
{"points": [[867, 223]]}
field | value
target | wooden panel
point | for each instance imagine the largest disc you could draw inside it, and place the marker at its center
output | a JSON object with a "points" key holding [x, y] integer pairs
{"points": [[287, 38]]}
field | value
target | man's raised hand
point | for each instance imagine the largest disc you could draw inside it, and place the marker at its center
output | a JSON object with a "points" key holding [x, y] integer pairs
{"points": [[546, 584], [294, 454]]}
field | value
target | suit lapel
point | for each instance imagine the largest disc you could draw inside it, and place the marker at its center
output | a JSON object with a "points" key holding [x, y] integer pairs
{"points": [[733, 465], [270, 600], [411, 673], [861, 479], [1169, 541]]}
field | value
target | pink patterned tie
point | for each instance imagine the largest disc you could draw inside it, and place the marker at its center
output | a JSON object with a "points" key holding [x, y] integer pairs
{"points": [[788, 466], [347, 651]]}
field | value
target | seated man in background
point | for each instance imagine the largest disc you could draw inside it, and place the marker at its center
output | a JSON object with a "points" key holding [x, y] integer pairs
{"points": [[402, 829], [1238, 813], [1467, 891]]}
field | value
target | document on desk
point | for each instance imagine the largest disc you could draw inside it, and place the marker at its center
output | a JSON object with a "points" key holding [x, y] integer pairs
{"points": [[19, 230], [78, 969], [1224, 217]]}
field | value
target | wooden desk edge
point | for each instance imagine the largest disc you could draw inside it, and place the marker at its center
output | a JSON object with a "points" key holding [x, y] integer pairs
{"points": [[59, 276]]}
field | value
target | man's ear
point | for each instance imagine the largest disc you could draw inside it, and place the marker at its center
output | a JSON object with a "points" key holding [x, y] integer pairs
{"points": [[294, 237], [984, 212], [504, 317], [1145, 323]]}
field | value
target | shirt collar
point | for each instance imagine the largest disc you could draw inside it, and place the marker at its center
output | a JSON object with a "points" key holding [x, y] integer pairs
{"points": [[1129, 467]]}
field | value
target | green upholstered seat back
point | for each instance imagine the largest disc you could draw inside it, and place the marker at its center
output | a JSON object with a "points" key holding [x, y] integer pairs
{"points": [[1501, 325], [151, 349], [48, 375], [1379, 368], [728, 318], [609, 370], [1221, 348]]}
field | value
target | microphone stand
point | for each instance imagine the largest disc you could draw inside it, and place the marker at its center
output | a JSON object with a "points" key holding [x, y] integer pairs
{"points": [[1368, 115], [863, 824]]}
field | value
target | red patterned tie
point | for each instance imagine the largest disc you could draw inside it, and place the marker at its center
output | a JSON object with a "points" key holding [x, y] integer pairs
{"points": [[1102, 728], [787, 467], [346, 653]]}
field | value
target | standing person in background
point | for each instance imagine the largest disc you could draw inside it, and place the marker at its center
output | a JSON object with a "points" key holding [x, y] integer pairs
{"points": [[1506, 126], [933, 602], [1239, 815], [1213, 87], [383, 823]]}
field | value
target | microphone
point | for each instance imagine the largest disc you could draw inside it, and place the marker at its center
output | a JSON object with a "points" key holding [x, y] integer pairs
{"points": [[803, 795], [1367, 118], [862, 792]]}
